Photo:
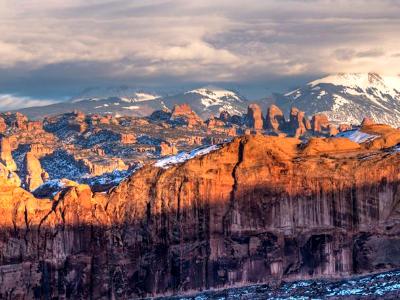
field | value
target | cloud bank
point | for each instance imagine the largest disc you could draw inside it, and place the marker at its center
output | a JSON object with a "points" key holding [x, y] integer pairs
{"points": [[52, 46]]}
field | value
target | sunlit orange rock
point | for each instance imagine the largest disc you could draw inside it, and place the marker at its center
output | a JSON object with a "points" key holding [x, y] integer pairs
{"points": [[6, 155], [254, 117], [275, 119]]}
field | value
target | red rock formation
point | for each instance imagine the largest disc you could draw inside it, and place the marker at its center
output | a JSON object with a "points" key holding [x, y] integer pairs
{"points": [[317, 146], [34, 125], [34, 172], [261, 209], [320, 123], [127, 138], [167, 149], [344, 127], [184, 112], [386, 136], [254, 117], [332, 130], [6, 155], [3, 125], [40, 150], [100, 166], [367, 121], [298, 123], [213, 123], [8, 177], [78, 126], [275, 119], [19, 121]]}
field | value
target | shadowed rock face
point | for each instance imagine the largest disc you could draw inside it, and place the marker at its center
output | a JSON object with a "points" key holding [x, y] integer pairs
{"points": [[261, 209]]}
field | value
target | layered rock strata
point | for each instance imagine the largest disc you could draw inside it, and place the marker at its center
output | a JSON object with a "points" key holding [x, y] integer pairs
{"points": [[260, 209]]}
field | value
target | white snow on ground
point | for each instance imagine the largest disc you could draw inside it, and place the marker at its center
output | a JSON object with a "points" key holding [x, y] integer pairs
{"points": [[132, 107], [339, 102], [184, 156], [139, 97], [321, 93], [357, 136], [54, 186], [396, 148], [292, 92]]}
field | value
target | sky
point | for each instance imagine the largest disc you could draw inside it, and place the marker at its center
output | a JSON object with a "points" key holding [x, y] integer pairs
{"points": [[51, 50]]}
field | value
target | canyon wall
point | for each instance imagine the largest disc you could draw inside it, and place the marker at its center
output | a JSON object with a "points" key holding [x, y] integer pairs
{"points": [[260, 209]]}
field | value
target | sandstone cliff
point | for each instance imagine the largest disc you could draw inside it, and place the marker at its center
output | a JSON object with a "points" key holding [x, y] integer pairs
{"points": [[260, 209]]}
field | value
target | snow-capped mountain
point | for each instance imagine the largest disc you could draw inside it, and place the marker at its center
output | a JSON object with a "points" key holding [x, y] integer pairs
{"points": [[134, 102], [348, 98], [137, 105], [210, 101], [125, 93]]}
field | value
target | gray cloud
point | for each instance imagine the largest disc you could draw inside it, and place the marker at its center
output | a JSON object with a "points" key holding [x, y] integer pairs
{"points": [[54, 48]]}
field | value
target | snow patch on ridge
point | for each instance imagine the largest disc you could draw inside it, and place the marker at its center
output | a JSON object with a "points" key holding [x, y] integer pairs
{"points": [[181, 157], [357, 136]]}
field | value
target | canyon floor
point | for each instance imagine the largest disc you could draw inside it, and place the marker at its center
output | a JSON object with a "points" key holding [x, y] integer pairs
{"points": [[378, 286]]}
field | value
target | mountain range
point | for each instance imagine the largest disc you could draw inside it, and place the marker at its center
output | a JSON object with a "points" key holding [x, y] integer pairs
{"points": [[348, 98], [344, 98]]}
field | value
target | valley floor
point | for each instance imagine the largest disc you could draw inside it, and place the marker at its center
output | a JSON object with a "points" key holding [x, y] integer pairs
{"points": [[377, 286]]}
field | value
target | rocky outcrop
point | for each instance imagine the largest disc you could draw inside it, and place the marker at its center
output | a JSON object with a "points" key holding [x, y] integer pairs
{"points": [[320, 123], [386, 136], [184, 112], [8, 177], [212, 123], [344, 127], [39, 150], [6, 154], [367, 121], [298, 123], [260, 209], [254, 118], [3, 125], [275, 119], [34, 174], [127, 138], [317, 146], [102, 165], [224, 116], [34, 126], [167, 149]]}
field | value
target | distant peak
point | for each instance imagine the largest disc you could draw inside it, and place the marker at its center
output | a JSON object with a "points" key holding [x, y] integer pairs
{"points": [[361, 80], [214, 92]]}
